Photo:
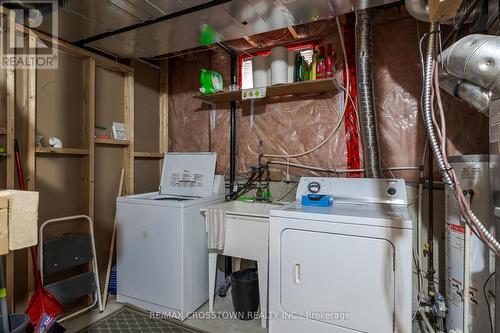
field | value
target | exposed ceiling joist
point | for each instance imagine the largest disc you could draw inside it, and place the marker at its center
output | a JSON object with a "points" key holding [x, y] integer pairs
{"points": [[293, 32]]}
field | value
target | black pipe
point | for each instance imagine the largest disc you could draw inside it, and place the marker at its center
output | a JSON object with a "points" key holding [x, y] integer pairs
{"points": [[430, 230], [232, 147], [186, 11]]}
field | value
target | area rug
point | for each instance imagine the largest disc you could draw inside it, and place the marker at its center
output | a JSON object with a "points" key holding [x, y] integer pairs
{"points": [[132, 321]]}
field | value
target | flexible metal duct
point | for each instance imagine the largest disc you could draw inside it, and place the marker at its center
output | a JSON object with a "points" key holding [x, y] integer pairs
{"points": [[476, 96], [366, 103], [475, 58]]}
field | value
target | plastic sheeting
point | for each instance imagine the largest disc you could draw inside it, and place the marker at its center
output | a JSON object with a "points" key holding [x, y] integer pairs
{"points": [[296, 124]]}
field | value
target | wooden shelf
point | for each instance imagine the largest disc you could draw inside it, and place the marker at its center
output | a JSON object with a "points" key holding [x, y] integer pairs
{"points": [[296, 88], [61, 151], [111, 142], [144, 155]]}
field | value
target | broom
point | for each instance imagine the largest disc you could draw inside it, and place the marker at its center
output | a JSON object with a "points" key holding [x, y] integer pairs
{"points": [[43, 306]]}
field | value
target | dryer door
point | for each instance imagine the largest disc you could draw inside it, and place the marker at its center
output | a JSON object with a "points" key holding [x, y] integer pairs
{"points": [[341, 280]]}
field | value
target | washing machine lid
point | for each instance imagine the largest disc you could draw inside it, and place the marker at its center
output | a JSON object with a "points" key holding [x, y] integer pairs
{"points": [[188, 174], [363, 213]]}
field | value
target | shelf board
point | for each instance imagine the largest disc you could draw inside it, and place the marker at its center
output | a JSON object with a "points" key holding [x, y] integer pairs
{"points": [[61, 151], [111, 142], [296, 88], [144, 155]]}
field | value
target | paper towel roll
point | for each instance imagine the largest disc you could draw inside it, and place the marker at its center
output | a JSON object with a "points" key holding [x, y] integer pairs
{"points": [[291, 66], [260, 71], [279, 65]]}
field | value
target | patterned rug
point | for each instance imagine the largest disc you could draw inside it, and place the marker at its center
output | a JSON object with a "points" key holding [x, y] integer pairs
{"points": [[132, 321]]}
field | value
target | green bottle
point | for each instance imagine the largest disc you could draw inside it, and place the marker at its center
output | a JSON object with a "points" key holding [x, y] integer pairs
{"points": [[299, 71]]}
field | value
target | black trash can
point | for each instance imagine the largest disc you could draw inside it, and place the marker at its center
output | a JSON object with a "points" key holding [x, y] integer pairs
{"points": [[18, 323], [245, 294]]}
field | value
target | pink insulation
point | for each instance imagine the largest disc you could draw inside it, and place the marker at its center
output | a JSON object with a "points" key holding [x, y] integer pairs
{"points": [[295, 124]]}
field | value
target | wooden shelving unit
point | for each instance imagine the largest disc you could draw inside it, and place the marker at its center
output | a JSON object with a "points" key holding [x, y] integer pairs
{"points": [[289, 89], [86, 183], [111, 142], [61, 151]]}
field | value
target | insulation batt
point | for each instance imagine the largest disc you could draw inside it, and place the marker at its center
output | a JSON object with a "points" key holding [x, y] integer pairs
{"points": [[293, 125]]}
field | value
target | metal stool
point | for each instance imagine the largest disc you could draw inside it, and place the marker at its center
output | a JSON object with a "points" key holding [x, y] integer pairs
{"points": [[58, 256]]}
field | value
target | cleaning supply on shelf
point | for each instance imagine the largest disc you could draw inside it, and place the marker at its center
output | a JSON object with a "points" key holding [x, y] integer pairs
{"points": [[320, 64], [279, 65], [299, 74], [306, 68], [329, 68], [291, 66], [260, 71], [211, 82], [320, 68], [313, 65]]}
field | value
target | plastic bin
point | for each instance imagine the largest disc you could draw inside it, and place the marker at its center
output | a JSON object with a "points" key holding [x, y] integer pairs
{"points": [[18, 323], [245, 293]]}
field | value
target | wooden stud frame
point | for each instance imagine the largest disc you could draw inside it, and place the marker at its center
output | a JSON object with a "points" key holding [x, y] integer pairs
{"points": [[29, 103], [89, 130], [164, 77], [10, 86], [128, 94]]}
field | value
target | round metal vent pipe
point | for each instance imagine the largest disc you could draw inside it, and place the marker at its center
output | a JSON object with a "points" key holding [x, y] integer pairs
{"points": [[366, 104]]}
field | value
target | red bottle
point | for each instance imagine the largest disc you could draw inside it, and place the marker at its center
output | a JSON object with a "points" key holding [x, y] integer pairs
{"points": [[320, 64], [329, 67]]}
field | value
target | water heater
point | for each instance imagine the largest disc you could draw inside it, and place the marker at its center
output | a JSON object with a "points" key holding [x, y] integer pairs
{"points": [[473, 175]]}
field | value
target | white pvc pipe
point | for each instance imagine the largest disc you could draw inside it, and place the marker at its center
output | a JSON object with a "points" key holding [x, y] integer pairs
{"points": [[333, 170]]}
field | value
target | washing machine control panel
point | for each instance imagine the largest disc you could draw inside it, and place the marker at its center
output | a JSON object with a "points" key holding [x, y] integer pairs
{"points": [[354, 189]]}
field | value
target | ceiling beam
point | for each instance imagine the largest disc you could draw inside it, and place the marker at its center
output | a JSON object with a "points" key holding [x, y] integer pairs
{"points": [[251, 41], [293, 32], [186, 11]]}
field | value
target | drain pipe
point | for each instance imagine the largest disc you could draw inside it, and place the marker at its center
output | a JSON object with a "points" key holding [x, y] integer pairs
{"points": [[232, 126], [364, 73]]}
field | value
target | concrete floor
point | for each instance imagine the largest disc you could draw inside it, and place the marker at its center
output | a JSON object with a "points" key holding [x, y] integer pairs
{"points": [[218, 325]]}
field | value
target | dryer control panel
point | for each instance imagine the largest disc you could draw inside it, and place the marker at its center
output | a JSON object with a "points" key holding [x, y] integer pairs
{"points": [[391, 191]]}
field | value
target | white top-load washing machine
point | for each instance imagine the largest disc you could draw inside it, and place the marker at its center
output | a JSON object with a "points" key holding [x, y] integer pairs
{"points": [[345, 267], [162, 257]]}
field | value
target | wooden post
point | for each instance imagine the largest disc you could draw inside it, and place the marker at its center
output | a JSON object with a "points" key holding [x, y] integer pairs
{"points": [[163, 112], [89, 130], [30, 143], [129, 125], [10, 86]]}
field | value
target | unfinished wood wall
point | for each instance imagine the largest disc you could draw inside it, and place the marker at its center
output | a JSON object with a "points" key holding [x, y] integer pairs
{"points": [[82, 177]]}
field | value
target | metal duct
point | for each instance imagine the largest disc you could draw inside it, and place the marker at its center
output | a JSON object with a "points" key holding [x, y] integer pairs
{"points": [[475, 58], [476, 96], [366, 103], [419, 9]]}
